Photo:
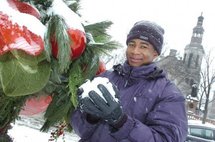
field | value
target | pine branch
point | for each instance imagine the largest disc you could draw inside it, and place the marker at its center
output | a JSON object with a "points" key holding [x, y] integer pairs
{"points": [[9, 110], [83, 68], [99, 31], [74, 5], [57, 110], [105, 48], [57, 32], [101, 40]]}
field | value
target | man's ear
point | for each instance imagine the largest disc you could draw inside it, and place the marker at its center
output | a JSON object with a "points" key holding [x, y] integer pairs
{"points": [[155, 54]]}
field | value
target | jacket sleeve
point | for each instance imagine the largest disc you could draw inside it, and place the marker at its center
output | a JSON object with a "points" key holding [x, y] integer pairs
{"points": [[81, 126], [167, 122]]}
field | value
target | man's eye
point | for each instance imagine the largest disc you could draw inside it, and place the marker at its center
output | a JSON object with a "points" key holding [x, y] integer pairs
{"points": [[131, 45], [143, 46]]}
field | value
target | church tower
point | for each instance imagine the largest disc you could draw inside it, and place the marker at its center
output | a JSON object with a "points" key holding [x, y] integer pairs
{"points": [[193, 53], [185, 73]]}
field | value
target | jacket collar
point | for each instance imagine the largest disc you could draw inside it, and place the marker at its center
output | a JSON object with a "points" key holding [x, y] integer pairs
{"points": [[148, 72]]}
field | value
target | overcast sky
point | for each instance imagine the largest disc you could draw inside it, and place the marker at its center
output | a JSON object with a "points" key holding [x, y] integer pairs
{"points": [[177, 17]]}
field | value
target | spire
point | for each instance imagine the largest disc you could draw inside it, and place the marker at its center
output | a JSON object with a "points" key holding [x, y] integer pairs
{"points": [[198, 31], [194, 51]]}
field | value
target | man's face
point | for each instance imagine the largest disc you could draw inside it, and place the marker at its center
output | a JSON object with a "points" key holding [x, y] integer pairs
{"points": [[140, 52]]}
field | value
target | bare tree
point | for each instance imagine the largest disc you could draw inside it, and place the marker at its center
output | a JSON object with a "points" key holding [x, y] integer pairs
{"points": [[207, 80]]}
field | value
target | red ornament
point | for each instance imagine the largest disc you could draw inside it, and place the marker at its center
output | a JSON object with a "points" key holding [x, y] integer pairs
{"points": [[25, 33], [13, 36], [102, 68], [24, 8], [36, 105], [77, 45]]}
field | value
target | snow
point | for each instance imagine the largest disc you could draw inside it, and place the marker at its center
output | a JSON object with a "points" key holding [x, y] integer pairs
{"points": [[190, 98], [31, 22], [199, 123], [27, 130], [92, 86], [135, 99], [71, 18]]}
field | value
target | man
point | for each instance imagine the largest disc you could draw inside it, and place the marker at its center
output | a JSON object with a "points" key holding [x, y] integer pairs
{"points": [[150, 107]]}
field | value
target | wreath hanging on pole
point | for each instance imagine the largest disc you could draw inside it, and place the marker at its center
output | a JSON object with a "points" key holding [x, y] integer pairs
{"points": [[46, 52]]}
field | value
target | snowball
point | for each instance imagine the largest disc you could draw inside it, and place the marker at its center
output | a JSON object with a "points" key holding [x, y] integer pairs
{"points": [[92, 86]]}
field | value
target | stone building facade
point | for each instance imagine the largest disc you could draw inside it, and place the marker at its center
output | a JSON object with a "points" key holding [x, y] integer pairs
{"points": [[185, 72]]}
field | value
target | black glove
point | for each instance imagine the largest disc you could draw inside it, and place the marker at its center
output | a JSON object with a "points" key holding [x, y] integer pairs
{"points": [[108, 109], [90, 118]]}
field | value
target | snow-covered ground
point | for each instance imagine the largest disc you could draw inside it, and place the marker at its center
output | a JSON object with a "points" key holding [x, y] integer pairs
{"points": [[27, 130]]}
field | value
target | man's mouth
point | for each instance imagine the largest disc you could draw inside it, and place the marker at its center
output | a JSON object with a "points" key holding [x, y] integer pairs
{"points": [[132, 59]]}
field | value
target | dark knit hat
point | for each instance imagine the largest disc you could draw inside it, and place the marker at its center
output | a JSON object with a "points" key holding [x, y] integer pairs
{"points": [[147, 31]]}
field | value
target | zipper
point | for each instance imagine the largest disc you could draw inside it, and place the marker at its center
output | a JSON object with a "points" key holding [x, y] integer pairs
{"points": [[128, 78]]}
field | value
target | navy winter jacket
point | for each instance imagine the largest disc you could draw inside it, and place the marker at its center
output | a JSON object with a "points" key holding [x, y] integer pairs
{"points": [[154, 106]]}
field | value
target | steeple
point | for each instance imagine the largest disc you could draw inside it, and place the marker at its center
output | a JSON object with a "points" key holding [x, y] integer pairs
{"points": [[198, 31], [194, 52]]}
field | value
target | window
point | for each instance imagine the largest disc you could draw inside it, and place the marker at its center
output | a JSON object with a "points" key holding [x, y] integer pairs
{"points": [[184, 58], [196, 132], [187, 80], [209, 134], [202, 133], [191, 82], [190, 60], [197, 61]]}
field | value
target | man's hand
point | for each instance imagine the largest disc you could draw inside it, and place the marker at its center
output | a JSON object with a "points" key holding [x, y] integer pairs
{"points": [[108, 108]]}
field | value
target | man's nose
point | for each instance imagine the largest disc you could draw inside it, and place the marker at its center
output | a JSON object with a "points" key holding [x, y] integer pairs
{"points": [[135, 50]]}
